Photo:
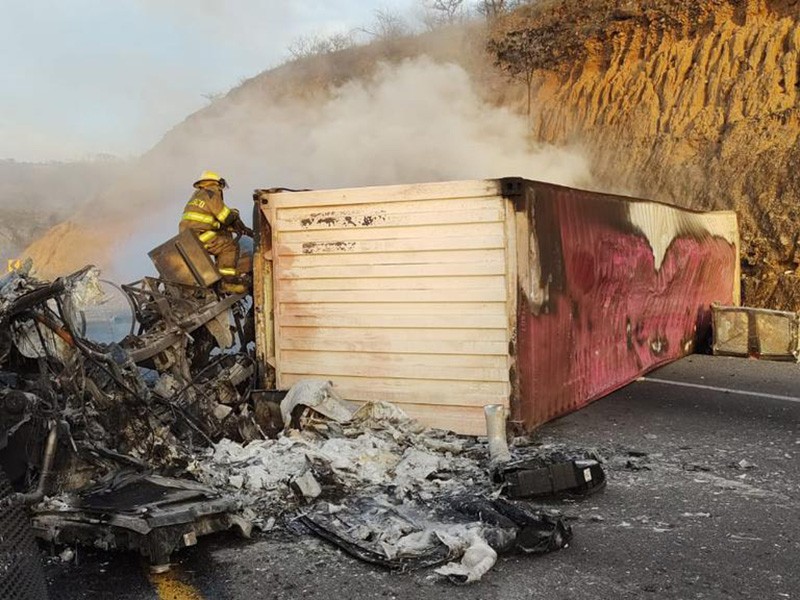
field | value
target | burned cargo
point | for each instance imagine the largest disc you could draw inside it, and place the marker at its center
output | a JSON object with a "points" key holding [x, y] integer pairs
{"points": [[446, 297]]}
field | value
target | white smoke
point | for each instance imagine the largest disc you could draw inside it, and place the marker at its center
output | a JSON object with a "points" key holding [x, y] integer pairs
{"points": [[413, 122], [416, 121]]}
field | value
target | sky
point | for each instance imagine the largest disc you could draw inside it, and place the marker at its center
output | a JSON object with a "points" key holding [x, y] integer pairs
{"points": [[83, 78]]}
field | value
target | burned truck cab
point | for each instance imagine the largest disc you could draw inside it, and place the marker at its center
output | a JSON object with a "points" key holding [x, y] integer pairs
{"points": [[84, 424]]}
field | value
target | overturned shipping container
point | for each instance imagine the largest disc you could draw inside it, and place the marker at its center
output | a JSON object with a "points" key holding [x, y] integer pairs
{"points": [[446, 297]]}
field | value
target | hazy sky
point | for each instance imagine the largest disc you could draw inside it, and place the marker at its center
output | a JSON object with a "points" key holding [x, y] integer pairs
{"points": [[86, 77]]}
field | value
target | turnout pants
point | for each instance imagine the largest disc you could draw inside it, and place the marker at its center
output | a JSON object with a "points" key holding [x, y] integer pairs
{"points": [[232, 262]]}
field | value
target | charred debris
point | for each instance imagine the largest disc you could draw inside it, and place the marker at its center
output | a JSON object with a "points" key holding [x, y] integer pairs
{"points": [[148, 443]]}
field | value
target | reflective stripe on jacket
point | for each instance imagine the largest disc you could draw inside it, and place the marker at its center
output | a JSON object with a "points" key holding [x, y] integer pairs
{"points": [[207, 208]]}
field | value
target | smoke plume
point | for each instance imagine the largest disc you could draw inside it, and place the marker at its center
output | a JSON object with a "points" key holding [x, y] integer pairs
{"points": [[414, 121]]}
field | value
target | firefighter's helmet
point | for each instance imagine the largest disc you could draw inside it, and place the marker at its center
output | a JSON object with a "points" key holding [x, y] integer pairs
{"points": [[210, 176]]}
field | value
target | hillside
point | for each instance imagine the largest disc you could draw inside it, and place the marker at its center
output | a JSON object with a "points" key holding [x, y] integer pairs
{"points": [[35, 197], [396, 111], [691, 103]]}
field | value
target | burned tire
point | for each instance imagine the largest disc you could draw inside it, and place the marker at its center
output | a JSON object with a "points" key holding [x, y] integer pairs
{"points": [[21, 574]]}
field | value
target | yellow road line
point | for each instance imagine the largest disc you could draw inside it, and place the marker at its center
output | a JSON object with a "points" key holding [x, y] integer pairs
{"points": [[169, 586]]}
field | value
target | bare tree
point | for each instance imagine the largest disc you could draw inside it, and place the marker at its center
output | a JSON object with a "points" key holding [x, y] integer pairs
{"points": [[440, 13], [340, 41], [213, 96], [492, 9], [388, 25], [519, 54], [314, 45]]}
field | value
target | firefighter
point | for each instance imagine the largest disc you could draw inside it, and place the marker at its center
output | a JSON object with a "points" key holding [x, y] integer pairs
{"points": [[207, 215]]}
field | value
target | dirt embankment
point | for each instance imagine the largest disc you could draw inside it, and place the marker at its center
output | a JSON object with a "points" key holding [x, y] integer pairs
{"points": [[37, 198], [697, 104], [18, 226]]}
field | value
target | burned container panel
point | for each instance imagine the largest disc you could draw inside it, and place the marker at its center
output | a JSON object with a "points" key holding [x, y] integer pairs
{"points": [[399, 293], [756, 332], [610, 288], [447, 297]]}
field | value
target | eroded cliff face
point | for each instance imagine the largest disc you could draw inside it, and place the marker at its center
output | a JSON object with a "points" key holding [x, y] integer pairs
{"points": [[698, 106]]}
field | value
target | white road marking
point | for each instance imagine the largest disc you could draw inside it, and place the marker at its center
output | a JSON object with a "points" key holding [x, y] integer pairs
{"points": [[720, 389]]}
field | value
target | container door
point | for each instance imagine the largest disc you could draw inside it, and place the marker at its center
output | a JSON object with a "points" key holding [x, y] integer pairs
{"points": [[403, 294]]}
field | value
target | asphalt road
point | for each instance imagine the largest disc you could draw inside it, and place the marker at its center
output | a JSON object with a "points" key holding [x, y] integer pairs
{"points": [[711, 511]]}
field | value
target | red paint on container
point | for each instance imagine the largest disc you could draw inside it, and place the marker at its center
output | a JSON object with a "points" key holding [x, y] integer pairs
{"points": [[613, 313]]}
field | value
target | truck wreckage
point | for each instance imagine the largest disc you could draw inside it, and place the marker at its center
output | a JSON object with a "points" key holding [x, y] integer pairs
{"points": [[96, 413], [469, 306], [149, 443]]}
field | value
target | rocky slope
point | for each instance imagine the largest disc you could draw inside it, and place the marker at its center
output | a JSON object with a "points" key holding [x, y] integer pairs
{"points": [[691, 103], [18, 228], [36, 197]]}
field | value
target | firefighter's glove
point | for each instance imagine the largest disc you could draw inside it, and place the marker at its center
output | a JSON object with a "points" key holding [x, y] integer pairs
{"points": [[240, 227]]}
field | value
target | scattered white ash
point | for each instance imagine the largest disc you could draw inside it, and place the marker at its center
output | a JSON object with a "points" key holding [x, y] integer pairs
{"points": [[380, 455], [379, 451]]}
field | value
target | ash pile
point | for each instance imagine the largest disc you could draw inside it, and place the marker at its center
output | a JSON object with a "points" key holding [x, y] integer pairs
{"points": [[148, 443]]}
